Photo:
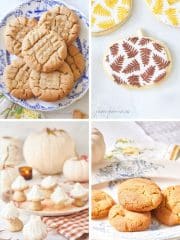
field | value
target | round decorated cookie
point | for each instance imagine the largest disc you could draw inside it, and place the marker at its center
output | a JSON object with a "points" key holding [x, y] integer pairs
{"points": [[167, 11], [168, 212], [137, 62], [127, 221], [43, 50], [52, 86], [15, 32], [16, 77], [101, 204], [139, 195], [107, 15]]}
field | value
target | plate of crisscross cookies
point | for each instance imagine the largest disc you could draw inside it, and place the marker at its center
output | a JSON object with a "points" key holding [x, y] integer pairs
{"points": [[44, 55]]}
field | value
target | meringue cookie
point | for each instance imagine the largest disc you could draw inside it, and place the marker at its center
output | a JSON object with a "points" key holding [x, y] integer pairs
{"points": [[60, 198], [19, 185], [35, 229], [11, 214], [48, 184], [80, 195], [35, 197], [35, 194]]}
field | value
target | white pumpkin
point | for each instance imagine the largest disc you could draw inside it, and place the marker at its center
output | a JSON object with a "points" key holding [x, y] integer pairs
{"points": [[76, 170], [47, 150], [98, 146], [10, 151]]}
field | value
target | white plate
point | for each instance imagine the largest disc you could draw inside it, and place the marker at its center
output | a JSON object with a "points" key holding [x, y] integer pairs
{"points": [[56, 213], [35, 8]]}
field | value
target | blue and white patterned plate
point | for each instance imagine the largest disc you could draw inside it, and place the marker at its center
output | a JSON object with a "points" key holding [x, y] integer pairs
{"points": [[35, 8]]}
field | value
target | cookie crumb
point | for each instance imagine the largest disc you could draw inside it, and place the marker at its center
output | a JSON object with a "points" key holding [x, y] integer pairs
{"points": [[79, 115]]}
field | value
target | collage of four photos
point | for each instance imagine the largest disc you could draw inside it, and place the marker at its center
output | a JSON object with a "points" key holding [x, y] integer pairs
{"points": [[89, 120]]}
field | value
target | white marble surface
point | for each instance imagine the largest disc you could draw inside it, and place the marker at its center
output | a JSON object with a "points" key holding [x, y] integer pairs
{"points": [[79, 132], [83, 103], [112, 101]]}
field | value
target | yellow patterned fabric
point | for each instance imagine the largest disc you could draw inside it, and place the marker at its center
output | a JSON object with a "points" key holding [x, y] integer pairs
{"points": [[168, 11], [106, 14]]}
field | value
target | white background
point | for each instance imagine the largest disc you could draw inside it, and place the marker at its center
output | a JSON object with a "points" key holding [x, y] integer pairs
{"points": [[83, 104], [112, 101], [77, 130]]}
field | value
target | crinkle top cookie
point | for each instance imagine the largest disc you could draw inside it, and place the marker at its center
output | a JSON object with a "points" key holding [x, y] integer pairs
{"points": [[107, 14], [137, 61], [167, 11]]}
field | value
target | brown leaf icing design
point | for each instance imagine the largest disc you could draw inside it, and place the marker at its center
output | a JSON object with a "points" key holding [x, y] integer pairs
{"points": [[117, 79], [160, 77], [138, 61], [114, 49], [145, 55], [160, 62], [117, 64], [158, 47], [131, 67], [148, 74], [144, 41], [134, 80], [133, 39], [130, 50]]}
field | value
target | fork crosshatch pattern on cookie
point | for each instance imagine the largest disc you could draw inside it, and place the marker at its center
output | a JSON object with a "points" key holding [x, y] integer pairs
{"points": [[34, 9]]}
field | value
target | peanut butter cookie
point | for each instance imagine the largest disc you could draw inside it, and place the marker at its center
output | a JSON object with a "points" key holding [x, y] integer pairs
{"points": [[15, 32], [168, 211], [43, 50], [101, 204], [52, 86], [127, 221], [16, 77], [139, 195], [76, 61], [62, 20]]}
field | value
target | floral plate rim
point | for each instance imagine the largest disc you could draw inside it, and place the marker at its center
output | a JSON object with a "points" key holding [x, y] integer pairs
{"points": [[66, 102]]}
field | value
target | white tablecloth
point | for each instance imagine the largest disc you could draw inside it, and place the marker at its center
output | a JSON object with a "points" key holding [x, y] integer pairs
{"points": [[83, 103], [112, 101]]}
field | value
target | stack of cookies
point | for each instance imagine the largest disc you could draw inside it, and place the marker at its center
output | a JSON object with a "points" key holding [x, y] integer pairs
{"points": [[48, 63], [137, 198]]}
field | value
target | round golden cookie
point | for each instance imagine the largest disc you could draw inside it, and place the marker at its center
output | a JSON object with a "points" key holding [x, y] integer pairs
{"points": [[139, 194], [76, 61], [138, 62], [101, 204], [108, 15], [43, 50], [127, 221], [52, 86], [167, 11], [15, 32], [16, 78], [168, 211], [62, 20]]}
